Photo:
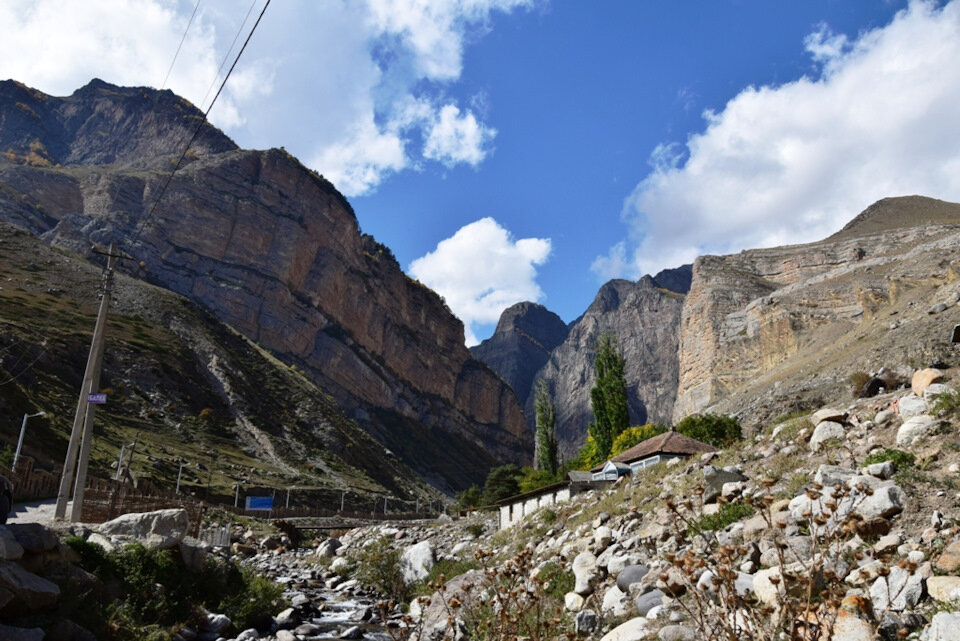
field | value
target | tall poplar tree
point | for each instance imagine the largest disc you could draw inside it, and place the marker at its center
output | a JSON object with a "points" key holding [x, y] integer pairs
{"points": [[545, 453], [608, 397]]}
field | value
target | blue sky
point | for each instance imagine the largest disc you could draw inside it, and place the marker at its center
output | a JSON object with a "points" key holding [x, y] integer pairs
{"points": [[526, 149]]}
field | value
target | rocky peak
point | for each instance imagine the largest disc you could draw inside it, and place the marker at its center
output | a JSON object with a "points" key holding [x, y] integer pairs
{"points": [[899, 213], [534, 320], [525, 336], [644, 318], [676, 280], [101, 124]]}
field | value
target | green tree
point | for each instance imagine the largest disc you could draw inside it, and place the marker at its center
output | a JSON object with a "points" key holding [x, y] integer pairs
{"points": [[635, 435], [469, 498], [501, 482], [545, 453], [719, 431], [531, 479], [608, 398]]}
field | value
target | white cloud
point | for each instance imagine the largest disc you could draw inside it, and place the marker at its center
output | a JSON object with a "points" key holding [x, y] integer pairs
{"points": [[356, 88], [793, 163], [455, 139], [481, 270]]}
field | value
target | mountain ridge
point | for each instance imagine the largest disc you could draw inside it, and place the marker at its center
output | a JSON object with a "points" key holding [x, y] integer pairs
{"points": [[272, 249]]}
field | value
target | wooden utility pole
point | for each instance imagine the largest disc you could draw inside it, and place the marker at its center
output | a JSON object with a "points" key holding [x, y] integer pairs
{"points": [[83, 418]]}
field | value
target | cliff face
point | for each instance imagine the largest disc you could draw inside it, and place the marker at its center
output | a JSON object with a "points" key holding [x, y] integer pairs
{"points": [[521, 345], [272, 249], [766, 315], [644, 319]]}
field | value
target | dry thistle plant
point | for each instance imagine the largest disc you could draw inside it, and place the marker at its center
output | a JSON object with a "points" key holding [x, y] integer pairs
{"points": [[505, 604], [808, 587]]}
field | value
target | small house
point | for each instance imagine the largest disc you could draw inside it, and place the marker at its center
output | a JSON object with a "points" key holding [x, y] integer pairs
{"points": [[514, 508], [663, 447]]}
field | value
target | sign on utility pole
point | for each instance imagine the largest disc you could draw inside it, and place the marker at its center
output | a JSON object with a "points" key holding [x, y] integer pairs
{"points": [[83, 419]]}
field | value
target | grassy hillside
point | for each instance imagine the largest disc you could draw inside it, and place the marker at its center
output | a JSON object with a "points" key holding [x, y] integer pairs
{"points": [[182, 384]]}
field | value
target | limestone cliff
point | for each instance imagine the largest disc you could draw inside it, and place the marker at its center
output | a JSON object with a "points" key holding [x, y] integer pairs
{"points": [[757, 322], [272, 249], [644, 318]]}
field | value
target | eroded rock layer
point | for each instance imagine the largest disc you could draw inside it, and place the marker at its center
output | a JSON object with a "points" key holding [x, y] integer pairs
{"points": [[271, 248]]}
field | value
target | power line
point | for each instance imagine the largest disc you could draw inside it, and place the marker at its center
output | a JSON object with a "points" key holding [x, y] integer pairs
{"points": [[226, 56], [196, 131], [182, 39]]}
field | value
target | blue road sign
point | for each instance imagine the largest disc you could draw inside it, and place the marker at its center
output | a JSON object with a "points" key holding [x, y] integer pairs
{"points": [[264, 503], [97, 399]]}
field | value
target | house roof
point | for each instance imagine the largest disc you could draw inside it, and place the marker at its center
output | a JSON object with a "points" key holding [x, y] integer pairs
{"points": [[666, 443]]}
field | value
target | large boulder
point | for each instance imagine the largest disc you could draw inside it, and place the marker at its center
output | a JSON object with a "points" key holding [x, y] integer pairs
{"points": [[714, 479], [434, 620], [916, 428], [922, 379], [945, 626], [910, 406], [586, 572], [9, 633], [416, 562], [31, 593], [158, 529], [904, 588], [34, 537], [825, 431], [10, 548]]}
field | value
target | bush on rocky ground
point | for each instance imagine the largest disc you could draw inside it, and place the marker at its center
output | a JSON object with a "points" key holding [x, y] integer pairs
{"points": [[157, 594]]}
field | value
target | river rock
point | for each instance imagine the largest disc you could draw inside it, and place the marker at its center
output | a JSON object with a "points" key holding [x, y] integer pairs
{"points": [[677, 633], [586, 572], [949, 559], [158, 529], [573, 602], [633, 630], [616, 602], [416, 562], [586, 622], [630, 575], [647, 601]]}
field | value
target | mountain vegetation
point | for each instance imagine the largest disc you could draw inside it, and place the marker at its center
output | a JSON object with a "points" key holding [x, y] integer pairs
{"points": [[608, 398]]}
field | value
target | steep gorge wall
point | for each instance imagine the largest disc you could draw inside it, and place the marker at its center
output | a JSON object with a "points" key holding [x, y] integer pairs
{"points": [[644, 318], [751, 312], [272, 249]]}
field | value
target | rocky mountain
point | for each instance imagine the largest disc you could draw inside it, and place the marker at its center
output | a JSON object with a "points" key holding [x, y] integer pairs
{"points": [[270, 248], [644, 317], [184, 386], [774, 330], [520, 346], [785, 328]]}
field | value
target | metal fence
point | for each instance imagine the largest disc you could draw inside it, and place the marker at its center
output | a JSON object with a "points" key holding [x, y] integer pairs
{"points": [[30, 484]]}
